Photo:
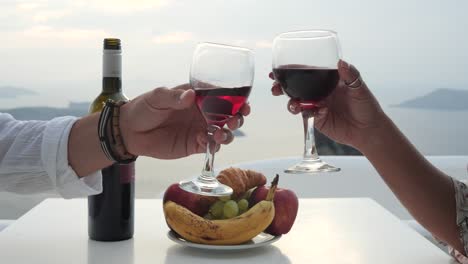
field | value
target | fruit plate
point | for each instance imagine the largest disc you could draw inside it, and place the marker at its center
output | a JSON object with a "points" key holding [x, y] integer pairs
{"points": [[260, 240]]}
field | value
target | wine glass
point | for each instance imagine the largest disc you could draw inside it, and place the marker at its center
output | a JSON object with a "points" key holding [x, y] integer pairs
{"points": [[305, 65], [222, 77]]}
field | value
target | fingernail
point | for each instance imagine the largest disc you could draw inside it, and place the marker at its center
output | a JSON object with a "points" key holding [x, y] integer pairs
{"points": [[225, 136], [293, 107], [344, 64], [182, 96]]}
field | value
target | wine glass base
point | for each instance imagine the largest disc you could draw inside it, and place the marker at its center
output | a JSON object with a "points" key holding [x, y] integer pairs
{"points": [[211, 189], [311, 166]]}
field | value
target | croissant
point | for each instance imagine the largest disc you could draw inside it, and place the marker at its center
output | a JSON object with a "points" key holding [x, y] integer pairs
{"points": [[241, 180]]}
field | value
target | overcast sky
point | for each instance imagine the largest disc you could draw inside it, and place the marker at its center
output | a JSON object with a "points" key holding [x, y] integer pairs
{"points": [[54, 46]]}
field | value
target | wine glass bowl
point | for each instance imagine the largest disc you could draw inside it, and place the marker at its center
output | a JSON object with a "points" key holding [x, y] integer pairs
{"points": [[222, 77], [305, 65]]}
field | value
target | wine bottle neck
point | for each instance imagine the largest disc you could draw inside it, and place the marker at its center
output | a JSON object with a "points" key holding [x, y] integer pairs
{"points": [[111, 85], [112, 71]]}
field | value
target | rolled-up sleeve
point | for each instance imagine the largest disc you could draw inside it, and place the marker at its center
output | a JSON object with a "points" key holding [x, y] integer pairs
{"points": [[34, 158], [461, 205]]}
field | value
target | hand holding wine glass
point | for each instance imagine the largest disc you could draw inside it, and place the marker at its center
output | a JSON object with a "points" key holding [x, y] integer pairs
{"points": [[166, 124], [305, 66], [349, 113], [222, 77]]}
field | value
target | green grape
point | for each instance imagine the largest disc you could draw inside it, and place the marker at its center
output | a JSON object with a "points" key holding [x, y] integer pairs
{"points": [[217, 209], [208, 216], [230, 209], [225, 198], [243, 205]]}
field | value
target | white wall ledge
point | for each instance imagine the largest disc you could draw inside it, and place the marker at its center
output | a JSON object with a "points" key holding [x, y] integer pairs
{"points": [[357, 178]]}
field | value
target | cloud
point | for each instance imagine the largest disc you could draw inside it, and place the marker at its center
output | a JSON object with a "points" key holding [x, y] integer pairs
{"points": [[263, 44], [173, 38], [49, 23], [51, 37], [27, 5], [40, 11], [46, 32], [44, 16], [123, 6]]}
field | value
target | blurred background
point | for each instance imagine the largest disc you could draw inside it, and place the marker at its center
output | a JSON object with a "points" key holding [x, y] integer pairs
{"points": [[412, 55]]}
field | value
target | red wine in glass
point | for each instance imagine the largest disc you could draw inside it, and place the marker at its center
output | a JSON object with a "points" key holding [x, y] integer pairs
{"points": [[309, 85], [221, 90], [305, 65], [220, 104]]}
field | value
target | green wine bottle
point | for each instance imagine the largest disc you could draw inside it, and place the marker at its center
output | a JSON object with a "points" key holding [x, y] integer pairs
{"points": [[111, 213]]}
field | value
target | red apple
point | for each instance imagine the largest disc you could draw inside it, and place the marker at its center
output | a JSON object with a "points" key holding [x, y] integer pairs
{"points": [[198, 204], [286, 206]]}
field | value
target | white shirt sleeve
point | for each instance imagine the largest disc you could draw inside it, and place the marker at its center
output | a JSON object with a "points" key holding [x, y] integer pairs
{"points": [[34, 158]]}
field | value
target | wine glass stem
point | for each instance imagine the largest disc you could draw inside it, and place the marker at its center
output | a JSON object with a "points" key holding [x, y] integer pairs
{"points": [[310, 151], [207, 175]]}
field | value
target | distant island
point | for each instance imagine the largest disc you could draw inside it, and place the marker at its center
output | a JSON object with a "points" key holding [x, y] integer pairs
{"points": [[47, 113], [78, 109], [325, 145], [238, 133], [440, 99], [14, 92]]}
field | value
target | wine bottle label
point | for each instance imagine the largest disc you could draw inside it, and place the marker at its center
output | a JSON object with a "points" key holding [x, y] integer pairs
{"points": [[112, 63], [127, 172]]}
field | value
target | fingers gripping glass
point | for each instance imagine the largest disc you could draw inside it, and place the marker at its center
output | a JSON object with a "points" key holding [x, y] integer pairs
{"points": [[222, 77], [305, 65]]}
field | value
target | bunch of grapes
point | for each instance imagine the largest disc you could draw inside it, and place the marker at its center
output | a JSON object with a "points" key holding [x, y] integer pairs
{"points": [[226, 208]]}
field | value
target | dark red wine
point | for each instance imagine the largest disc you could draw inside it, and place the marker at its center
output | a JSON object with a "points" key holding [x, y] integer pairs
{"points": [[111, 212], [219, 104], [309, 85]]}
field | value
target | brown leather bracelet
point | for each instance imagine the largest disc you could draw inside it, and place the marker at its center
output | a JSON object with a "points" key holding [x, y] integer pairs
{"points": [[119, 145], [110, 135]]}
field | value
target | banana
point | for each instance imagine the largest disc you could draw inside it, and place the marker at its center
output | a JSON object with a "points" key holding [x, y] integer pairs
{"points": [[232, 231]]}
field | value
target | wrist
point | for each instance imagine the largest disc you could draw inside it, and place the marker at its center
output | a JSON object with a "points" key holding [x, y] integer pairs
{"points": [[374, 136], [84, 150], [125, 128]]}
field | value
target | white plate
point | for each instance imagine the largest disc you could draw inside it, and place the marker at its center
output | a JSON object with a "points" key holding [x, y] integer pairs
{"points": [[260, 240]]}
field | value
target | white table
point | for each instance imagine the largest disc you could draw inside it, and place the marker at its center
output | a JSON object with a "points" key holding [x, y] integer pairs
{"points": [[352, 230]]}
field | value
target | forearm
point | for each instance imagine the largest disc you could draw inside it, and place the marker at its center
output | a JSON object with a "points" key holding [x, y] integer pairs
{"points": [[425, 191], [84, 150]]}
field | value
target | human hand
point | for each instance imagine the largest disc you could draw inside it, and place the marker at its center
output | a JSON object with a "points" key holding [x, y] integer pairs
{"points": [[166, 124], [349, 114]]}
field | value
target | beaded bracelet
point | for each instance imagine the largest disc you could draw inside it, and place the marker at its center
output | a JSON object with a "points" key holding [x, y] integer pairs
{"points": [[110, 135]]}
